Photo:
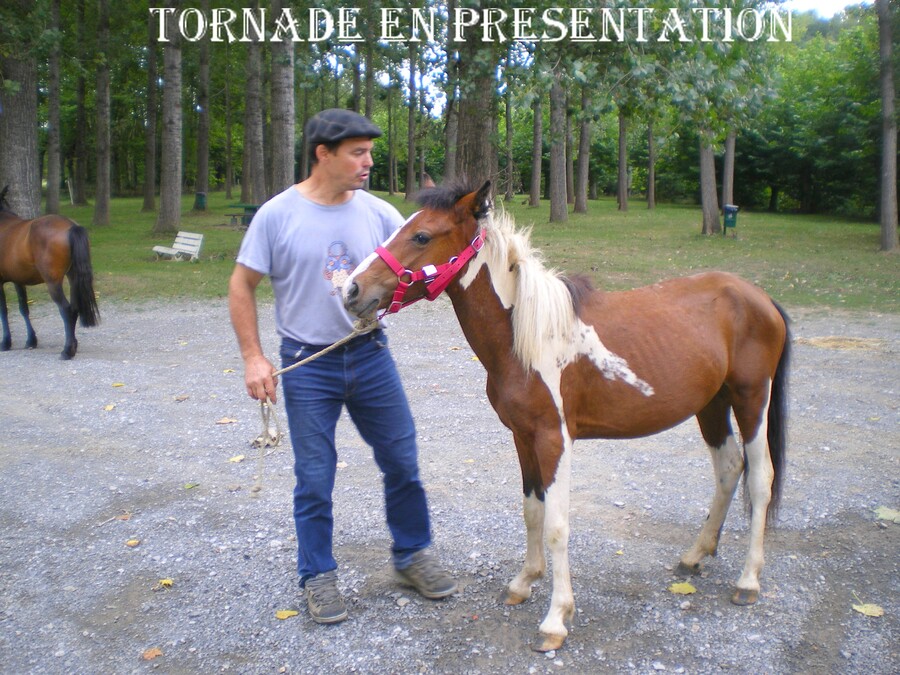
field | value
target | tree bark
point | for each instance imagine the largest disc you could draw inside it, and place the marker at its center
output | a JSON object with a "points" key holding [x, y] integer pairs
{"points": [[229, 159], [559, 212], [152, 115], [708, 197], [728, 169], [102, 104], [888, 215], [570, 156], [282, 111], [201, 185], [477, 153], [508, 129], [410, 187], [168, 219], [537, 152], [622, 182], [451, 120], [254, 178], [54, 173], [79, 181], [584, 153], [18, 128]]}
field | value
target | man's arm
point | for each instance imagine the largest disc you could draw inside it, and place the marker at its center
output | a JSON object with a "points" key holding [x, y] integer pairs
{"points": [[242, 306]]}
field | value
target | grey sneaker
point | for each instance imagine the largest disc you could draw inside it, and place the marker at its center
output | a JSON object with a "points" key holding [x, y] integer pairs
{"points": [[427, 577], [324, 599]]}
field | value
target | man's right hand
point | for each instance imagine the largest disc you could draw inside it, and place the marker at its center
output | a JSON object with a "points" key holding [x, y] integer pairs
{"points": [[261, 386]]}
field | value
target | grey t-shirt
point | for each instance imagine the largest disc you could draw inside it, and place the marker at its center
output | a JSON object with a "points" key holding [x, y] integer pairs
{"points": [[309, 250]]}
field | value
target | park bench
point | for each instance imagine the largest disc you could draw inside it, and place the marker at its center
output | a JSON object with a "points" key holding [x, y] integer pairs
{"points": [[186, 247]]}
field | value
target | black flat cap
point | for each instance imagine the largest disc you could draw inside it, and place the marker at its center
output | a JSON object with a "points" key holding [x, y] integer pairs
{"points": [[336, 124]]}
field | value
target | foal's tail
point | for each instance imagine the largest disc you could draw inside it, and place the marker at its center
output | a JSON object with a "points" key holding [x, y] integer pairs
{"points": [[777, 421], [81, 277]]}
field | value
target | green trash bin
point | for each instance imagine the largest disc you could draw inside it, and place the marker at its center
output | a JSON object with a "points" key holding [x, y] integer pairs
{"points": [[730, 218], [200, 201]]}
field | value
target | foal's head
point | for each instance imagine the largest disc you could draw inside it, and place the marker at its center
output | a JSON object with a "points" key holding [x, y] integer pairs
{"points": [[446, 225]]}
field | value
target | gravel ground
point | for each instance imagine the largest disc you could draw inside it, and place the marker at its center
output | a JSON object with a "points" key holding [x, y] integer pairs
{"points": [[125, 443]]}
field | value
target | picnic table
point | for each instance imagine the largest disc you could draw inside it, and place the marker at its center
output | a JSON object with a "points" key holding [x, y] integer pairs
{"points": [[247, 211]]}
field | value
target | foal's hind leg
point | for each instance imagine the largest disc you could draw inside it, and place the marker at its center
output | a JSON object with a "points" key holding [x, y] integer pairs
{"points": [[6, 341], [728, 464], [65, 311], [31, 337]]}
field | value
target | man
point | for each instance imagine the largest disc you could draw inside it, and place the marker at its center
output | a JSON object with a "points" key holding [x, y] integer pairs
{"points": [[307, 240]]}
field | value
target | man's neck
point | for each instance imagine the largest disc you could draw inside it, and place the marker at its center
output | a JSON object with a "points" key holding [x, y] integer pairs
{"points": [[323, 193]]}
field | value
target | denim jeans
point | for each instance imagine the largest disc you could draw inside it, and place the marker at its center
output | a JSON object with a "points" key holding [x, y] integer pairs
{"points": [[361, 375]]}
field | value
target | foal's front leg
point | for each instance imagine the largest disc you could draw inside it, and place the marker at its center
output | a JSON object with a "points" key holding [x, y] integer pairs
{"points": [[519, 589]]}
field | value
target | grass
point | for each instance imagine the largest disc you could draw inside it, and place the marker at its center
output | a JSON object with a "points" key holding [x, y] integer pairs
{"points": [[802, 261]]}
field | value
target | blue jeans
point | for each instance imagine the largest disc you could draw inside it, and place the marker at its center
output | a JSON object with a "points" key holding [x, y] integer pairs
{"points": [[361, 375]]}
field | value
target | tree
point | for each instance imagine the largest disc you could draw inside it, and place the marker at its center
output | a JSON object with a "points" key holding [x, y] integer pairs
{"points": [[584, 153], [102, 191], [201, 184], [537, 152], [152, 116], [559, 212], [476, 150], [253, 183], [54, 158], [888, 215], [169, 217], [79, 182], [282, 111], [411, 125]]}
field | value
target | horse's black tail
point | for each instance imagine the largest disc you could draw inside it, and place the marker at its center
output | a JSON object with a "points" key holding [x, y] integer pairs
{"points": [[81, 278], [777, 421]]}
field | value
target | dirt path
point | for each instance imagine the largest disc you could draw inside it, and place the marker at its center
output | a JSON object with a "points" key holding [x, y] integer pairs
{"points": [[89, 465]]}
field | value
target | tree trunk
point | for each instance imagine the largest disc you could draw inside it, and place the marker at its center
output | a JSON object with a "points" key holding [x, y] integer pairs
{"points": [[369, 83], [81, 126], [651, 166], [169, 217], [152, 114], [392, 165], [201, 185], [622, 182], [282, 111], [708, 198], [570, 156], [477, 153], [356, 62], [254, 177], [773, 198], [508, 129], [728, 169], [451, 120], [102, 104], [410, 187], [54, 173], [584, 153], [889, 235], [559, 212], [229, 159], [18, 128], [537, 152]]}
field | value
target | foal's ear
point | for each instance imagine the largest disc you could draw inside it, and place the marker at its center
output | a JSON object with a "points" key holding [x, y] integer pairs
{"points": [[482, 204]]}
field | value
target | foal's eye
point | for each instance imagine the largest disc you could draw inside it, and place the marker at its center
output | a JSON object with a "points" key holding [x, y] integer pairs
{"points": [[421, 238]]}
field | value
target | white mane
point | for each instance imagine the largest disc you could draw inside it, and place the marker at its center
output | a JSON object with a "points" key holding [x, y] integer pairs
{"points": [[543, 315]]}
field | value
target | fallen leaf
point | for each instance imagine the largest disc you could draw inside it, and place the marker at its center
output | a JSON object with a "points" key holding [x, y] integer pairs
{"points": [[183, 343], [191, 486], [151, 653], [228, 370], [181, 397], [132, 543], [285, 614], [682, 588], [468, 461], [342, 465], [118, 384], [869, 609], [237, 458], [166, 583], [108, 408], [226, 420], [884, 513], [124, 516], [475, 358], [620, 552]]}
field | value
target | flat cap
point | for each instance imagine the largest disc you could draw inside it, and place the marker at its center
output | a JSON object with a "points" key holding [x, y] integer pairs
{"points": [[336, 124]]}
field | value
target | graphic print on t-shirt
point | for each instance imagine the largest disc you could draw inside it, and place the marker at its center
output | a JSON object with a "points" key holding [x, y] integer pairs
{"points": [[338, 265]]}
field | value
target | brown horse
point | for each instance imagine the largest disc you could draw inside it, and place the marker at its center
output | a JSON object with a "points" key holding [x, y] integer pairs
{"points": [[45, 250], [565, 361]]}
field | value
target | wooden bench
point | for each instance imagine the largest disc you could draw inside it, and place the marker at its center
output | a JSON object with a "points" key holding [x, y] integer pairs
{"points": [[186, 247]]}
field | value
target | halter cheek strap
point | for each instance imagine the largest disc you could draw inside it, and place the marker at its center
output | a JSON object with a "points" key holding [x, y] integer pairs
{"points": [[436, 277]]}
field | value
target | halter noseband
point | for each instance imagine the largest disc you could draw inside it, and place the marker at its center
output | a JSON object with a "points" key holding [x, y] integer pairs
{"points": [[436, 277]]}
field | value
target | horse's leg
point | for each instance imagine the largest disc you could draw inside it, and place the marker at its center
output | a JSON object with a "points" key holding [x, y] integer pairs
{"points": [[31, 339], [728, 464], [752, 415], [65, 311], [6, 342], [556, 529], [519, 589]]}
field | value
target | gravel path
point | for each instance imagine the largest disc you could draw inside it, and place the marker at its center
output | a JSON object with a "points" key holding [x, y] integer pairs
{"points": [[124, 443]]}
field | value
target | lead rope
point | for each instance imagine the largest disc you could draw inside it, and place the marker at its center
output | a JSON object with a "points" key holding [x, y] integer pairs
{"points": [[271, 428]]}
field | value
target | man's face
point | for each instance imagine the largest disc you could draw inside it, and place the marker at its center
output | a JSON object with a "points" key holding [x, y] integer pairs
{"points": [[348, 166]]}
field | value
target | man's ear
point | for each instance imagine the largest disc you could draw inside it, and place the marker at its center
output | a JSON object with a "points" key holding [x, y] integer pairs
{"points": [[482, 204]]}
